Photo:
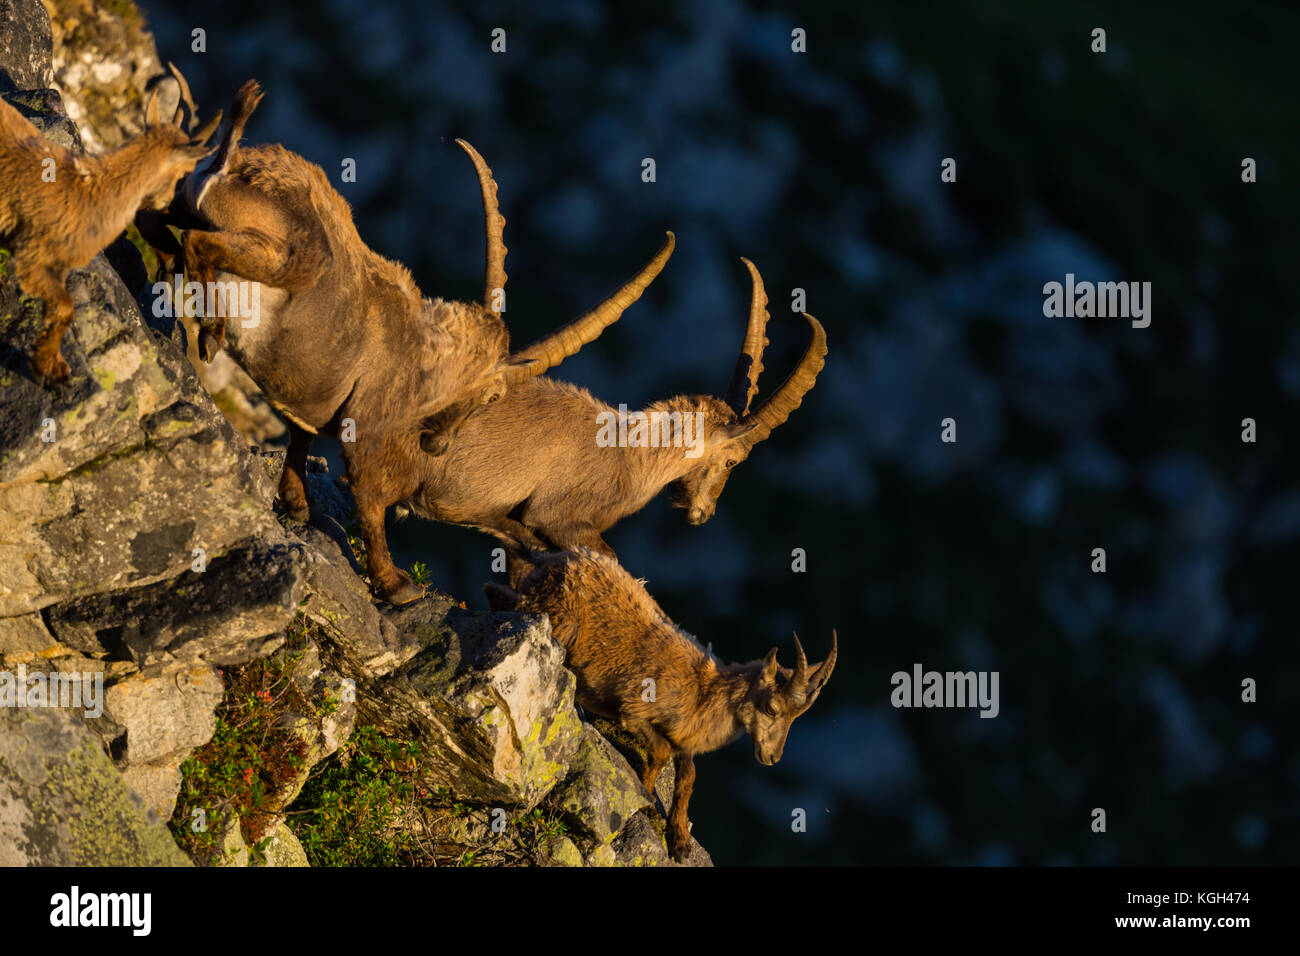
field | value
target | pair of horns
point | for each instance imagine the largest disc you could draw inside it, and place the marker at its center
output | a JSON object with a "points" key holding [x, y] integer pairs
{"points": [[552, 349], [186, 112], [752, 428], [804, 683]]}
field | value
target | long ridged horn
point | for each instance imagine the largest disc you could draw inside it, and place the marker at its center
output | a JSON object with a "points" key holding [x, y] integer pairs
{"points": [[778, 406], [553, 349], [744, 380], [494, 275]]}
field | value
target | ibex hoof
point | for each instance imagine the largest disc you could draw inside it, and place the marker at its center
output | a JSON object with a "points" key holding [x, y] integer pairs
{"points": [[679, 850], [405, 593], [208, 346], [51, 371]]}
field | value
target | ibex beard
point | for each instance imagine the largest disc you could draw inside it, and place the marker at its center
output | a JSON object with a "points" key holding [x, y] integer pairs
{"points": [[634, 665]]}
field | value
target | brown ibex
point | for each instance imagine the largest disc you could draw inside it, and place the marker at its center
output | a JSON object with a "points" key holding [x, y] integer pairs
{"points": [[345, 342], [58, 209], [637, 667], [531, 471]]}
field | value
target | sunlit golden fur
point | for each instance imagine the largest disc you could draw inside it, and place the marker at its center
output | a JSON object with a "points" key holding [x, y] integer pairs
{"points": [[54, 226], [634, 665]]}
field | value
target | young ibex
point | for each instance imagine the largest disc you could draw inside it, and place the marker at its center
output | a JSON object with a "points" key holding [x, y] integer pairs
{"points": [[533, 471], [345, 336], [636, 666], [58, 210]]}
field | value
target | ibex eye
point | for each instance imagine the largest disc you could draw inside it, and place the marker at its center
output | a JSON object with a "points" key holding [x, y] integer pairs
{"points": [[493, 397], [731, 463]]}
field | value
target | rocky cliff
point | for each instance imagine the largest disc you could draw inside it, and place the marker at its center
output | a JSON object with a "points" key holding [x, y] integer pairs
{"points": [[258, 707]]}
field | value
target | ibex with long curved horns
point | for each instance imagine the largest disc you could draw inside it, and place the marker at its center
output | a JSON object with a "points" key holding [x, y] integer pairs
{"points": [[634, 665], [345, 342], [532, 469]]}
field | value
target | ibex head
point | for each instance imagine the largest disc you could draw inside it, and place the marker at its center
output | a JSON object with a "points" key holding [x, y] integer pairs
{"points": [[778, 695], [732, 430], [496, 378], [185, 148]]}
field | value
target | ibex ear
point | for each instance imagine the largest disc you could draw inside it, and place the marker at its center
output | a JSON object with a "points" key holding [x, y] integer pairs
{"points": [[732, 432], [511, 361], [518, 370], [768, 674], [151, 115]]}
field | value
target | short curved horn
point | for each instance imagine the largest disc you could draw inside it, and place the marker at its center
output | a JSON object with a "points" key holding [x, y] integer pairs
{"points": [[797, 688], [823, 671], [494, 276], [185, 108], [553, 349], [151, 112], [805, 684], [744, 380], [778, 406]]}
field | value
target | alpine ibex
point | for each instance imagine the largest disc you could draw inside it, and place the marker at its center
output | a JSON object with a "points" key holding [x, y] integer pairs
{"points": [[636, 666], [58, 210], [345, 342], [533, 470]]}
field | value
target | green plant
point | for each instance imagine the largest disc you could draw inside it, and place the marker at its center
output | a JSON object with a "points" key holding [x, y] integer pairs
{"points": [[250, 759]]}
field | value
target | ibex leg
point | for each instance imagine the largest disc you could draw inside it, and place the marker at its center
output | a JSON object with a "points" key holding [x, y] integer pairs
{"points": [[250, 255], [293, 480], [679, 827], [365, 475], [47, 359], [658, 750]]}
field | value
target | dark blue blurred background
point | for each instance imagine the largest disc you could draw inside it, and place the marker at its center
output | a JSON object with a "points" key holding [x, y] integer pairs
{"points": [[1120, 691]]}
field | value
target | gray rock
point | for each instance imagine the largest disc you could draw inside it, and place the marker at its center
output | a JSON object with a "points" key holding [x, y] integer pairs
{"points": [[141, 468], [283, 849], [488, 699], [106, 63], [601, 793], [44, 109], [234, 611], [364, 643], [26, 42], [62, 802]]}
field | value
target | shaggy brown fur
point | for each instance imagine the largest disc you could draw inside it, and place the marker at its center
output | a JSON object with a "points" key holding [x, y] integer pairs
{"points": [[54, 227], [634, 665], [345, 342]]}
